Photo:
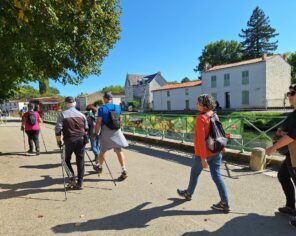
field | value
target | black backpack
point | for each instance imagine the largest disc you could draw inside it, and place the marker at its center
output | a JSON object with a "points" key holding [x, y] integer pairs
{"points": [[216, 140], [114, 119], [32, 118]]}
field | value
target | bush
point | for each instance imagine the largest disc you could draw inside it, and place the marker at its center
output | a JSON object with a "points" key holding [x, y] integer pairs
{"points": [[98, 103], [134, 104]]}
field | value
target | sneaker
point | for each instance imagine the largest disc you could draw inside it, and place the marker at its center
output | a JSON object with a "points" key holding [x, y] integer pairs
{"points": [[123, 176], [287, 210], [37, 153], [293, 221], [96, 160], [78, 186], [71, 184], [184, 194], [221, 206], [99, 169], [30, 151]]}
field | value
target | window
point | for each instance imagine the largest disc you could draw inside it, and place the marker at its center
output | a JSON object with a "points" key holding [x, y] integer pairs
{"points": [[186, 91], [214, 95], [169, 105], [168, 93], [245, 77], [245, 97], [187, 104], [226, 80], [213, 81]]}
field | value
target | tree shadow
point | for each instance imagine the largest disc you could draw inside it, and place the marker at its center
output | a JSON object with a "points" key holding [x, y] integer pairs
{"points": [[25, 154], [42, 167], [137, 217], [251, 224]]}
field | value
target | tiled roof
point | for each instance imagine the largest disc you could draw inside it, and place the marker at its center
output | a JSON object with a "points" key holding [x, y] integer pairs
{"points": [[251, 61], [179, 85], [134, 78]]}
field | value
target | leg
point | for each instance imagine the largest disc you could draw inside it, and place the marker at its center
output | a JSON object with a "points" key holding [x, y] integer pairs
{"points": [[286, 183], [30, 140], [79, 153], [102, 158], [94, 147], [196, 169], [120, 157], [215, 169], [68, 154], [36, 140]]}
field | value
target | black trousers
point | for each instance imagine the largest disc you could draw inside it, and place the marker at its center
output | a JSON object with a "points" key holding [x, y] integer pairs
{"points": [[33, 137], [78, 147], [287, 176]]}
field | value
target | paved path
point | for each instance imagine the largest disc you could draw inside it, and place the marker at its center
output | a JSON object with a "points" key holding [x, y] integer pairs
{"points": [[32, 196]]}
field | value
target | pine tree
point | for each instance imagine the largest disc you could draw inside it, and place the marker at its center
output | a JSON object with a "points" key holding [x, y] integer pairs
{"points": [[257, 36]]}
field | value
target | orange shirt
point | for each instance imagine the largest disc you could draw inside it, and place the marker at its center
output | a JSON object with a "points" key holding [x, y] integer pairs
{"points": [[202, 128]]}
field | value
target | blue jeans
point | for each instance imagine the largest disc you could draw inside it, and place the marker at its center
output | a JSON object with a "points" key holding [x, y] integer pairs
{"points": [[95, 146], [214, 163]]}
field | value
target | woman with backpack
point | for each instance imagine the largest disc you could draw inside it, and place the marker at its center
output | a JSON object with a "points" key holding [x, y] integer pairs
{"points": [[204, 157], [30, 124], [91, 120]]}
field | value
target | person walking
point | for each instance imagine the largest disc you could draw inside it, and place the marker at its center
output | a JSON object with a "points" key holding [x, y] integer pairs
{"points": [[111, 136], [73, 126], [204, 157], [91, 121], [30, 124], [287, 170]]}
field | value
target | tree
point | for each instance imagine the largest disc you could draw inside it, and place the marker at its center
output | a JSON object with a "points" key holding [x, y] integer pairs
{"points": [[116, 89], [98, 103], [52, 39], [218, 53], [258, 35], [185, 79], [26, 92], [292, 62]]}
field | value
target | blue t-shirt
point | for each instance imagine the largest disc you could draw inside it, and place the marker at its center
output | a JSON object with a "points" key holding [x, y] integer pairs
{"points": [[104, 112]]}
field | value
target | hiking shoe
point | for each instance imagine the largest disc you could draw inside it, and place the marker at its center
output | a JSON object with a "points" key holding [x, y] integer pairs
{"points": [[30, 151], [99, 169], [184, 194], [78, 186], [287, 210], [37, 153], [293, 221], [221, 206], [123, 176], [71, 184], [96, 160]]}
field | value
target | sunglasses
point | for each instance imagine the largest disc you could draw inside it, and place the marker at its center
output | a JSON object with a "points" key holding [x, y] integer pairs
{"points": [[291, 93]]}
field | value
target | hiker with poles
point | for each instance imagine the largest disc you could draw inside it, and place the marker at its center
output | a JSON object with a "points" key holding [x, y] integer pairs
{"points": [[30, 125], [287, 170], [72, 124], [91, 121], [208, 151], [111, 136]]}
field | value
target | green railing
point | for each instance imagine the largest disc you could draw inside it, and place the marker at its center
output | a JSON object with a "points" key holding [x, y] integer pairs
{"points": [[243, 133]]}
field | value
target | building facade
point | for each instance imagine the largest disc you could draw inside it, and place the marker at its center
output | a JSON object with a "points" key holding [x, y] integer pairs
{"points": [[256, 83], [177, 97], [14, 106], [140, 87]]}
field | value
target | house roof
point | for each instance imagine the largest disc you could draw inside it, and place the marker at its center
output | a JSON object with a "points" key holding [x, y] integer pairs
{"points": [[134, 78], [179, 85], [251, 61]]}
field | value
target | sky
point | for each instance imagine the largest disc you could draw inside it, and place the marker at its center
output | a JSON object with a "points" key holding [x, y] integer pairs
{"points": [[168, 36]]}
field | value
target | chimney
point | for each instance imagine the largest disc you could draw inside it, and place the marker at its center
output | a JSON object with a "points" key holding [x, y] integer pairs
{"points": [[285, 56], [264, 57]]}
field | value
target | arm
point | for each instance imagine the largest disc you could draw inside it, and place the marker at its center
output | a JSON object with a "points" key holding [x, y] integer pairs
{"points": [[285, 140], [200, 140], [59, 129], [98, 127]]}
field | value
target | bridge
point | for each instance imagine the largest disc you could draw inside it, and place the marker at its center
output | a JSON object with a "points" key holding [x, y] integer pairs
{"points": [[146, 203]]}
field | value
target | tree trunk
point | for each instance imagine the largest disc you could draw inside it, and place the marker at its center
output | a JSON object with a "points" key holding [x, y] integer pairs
{"points": [[43, 86]]}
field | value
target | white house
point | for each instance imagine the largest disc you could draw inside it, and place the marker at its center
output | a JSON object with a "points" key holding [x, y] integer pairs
{"points": [[255, 83], [13, 106], [140, 87], [177, 96]]}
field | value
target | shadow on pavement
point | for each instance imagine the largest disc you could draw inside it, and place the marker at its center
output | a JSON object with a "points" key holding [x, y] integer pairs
{"points": [[136, 217], [252, 224], [25, 154], [42, 167]]}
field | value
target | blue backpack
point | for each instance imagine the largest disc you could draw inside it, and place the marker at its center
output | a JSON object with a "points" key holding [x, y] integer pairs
{"points": [[32, 120]]}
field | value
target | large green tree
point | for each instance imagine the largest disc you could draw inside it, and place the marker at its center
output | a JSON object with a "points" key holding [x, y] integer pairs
{"points": [[65, 41], [116, 89], [218, 53], [292, 62], [185, 79], [257, 36], [26, 92]]}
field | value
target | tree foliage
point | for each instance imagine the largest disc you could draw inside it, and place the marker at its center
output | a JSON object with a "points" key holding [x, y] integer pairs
{"points": [[53, 39], [292, 62], [185, 79], [24, 92], [116, 89], [257, 36], [218, 53], [98, 103]]}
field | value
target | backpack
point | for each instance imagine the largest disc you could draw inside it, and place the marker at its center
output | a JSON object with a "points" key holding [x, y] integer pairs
{"points": [[114, 119], [32, 118], [216, 140]]}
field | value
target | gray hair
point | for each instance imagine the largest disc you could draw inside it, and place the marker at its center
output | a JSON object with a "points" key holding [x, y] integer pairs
{"points": [[207, 101], [68, 105]]}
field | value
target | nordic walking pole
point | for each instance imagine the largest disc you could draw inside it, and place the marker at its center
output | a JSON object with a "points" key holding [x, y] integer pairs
{"points": [[24, 138], [94, 167], [110, 172], [43, 140], [63, 173]]}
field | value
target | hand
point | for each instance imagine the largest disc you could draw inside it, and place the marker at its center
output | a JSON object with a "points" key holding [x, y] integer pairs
{"points": [[269, 151], [204, 164], [59, 143], [22, 128]]}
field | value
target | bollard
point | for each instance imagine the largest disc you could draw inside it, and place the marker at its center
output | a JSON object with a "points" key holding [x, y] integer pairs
{"points": [[258, 160]]}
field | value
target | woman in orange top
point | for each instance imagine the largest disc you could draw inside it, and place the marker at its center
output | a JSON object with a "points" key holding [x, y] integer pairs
{"points": [[203, 156]]}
